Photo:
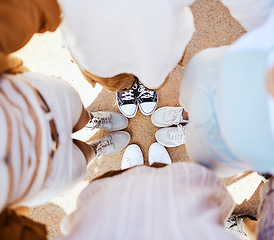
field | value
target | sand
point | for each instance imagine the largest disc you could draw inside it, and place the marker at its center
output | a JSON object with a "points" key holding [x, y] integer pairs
{"points": [[215, 27]]}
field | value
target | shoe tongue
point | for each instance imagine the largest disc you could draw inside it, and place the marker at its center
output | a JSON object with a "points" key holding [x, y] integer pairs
{"points": [[129, 95], [104, 147], [171, 116], [144, 93], [101, 115], [174, 116], [101, 120]]}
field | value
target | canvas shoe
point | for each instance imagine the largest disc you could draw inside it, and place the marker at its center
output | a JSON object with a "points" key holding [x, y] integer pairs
{"points": [[158, 153], [168, 116], [147, 99], [127, 102], [132, 157], [171, 136], [107, 120], [112, 143]]}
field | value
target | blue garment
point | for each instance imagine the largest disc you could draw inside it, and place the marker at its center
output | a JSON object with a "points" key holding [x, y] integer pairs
{"points": [[228, 128]]}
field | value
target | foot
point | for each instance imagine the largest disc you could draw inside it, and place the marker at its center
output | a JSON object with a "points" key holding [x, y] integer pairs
{"points": [[147, 99], [127, 102], [158, 153], [112, 143], [234, 224], [132, 157], [107, 120], [171, 136], [168, 116]]}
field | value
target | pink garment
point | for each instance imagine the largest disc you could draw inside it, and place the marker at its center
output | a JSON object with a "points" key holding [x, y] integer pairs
{"points": [[266, 212], [179, 201]]}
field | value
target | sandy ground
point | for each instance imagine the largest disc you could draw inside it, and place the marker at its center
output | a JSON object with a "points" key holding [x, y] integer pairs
{"points": [[215, 27]]}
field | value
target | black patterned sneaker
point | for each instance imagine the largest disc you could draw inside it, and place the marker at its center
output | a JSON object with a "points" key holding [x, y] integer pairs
{"points": [[127, 102], [147, 99], [112, 143], [107, 120]]}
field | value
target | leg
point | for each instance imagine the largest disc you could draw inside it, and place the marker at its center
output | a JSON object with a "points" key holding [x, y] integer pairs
{"points": [[83, 120], [86, 149], [185, 114], [181, 63], [250, 228], [266, 212]]}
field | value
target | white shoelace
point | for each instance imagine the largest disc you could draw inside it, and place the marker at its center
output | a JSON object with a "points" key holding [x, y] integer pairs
{"points": [[105, 146], [144, 93], [100, 120], [129, 95], [174, 116], [177, 133]]}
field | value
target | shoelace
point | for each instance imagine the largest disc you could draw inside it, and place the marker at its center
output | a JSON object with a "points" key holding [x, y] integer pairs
{"points": [[101, 120], [104, 146], [174, 116], [177, 133], [233, 222], [129, 95], [144, 93]]}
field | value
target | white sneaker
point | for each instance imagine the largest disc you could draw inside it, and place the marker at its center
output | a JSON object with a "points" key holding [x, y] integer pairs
{"points": [[147, 99], [158, 153], [132, 157], [171, 136], [168, 116], [112, 143], [107, 120]]}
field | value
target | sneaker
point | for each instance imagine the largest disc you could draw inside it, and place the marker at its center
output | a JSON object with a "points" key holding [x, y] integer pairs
{"points": [[168, 116], [158, 153], [132, 157], [234, 224], [127, 102], [171, 136], [107, 120], [147, 99], [112, 143]]}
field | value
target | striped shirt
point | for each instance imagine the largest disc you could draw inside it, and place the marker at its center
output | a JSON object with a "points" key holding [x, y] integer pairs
{"points": [[179, 201], [25, 141]]}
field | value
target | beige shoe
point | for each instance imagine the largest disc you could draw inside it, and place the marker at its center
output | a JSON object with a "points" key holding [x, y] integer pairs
{"points": [[171, 136], [111, 144]]}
